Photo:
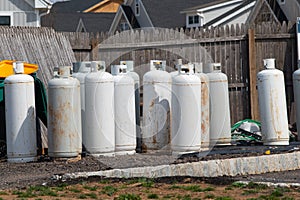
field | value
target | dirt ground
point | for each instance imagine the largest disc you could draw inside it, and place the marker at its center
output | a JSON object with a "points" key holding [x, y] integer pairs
{"points": [[165, 188], [35, 180]]}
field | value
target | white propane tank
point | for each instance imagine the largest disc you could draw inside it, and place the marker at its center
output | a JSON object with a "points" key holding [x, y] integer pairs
{"points": [[156, 132], [64, 116], [99, 137], [296, 84], [220, 127], [186, 112], [136, 78], [205, 138], [272, 105], [125, 132], [20, 116], [83, 69]]}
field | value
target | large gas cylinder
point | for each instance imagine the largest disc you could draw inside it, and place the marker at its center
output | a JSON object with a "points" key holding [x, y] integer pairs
{"points": [[186, 113], [220, 127], [296, 84], [82, 68], [99, 134], [64, 116], [136, 78], [205, 138], [20, 116], [272, 105], [156, 132], [125, 129]]}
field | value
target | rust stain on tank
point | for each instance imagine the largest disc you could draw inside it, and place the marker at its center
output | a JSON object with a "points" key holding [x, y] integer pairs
{"points": [[154, 139]]}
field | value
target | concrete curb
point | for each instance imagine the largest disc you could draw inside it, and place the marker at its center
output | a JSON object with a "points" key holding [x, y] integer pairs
{"points": [[211, 168]]}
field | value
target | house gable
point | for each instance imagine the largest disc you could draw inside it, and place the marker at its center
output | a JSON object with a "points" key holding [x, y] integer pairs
{"points": [[105, 6], [264, 12]]}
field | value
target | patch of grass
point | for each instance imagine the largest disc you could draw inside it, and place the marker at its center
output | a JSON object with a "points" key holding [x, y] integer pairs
{"points": [[209, 196], [1, 198], [42, 191], [3, 193], [92, 195], [109, 190], [287, 198], [223, 198], [186, 197], [75, 190], [248, 192], [93, 188], [128, 197], [252, 185], [277, 193], [269, 197], [229, 188], [25, 194], [175, 187], [152, 196], [104, 181], [238, 185], [168, 196], [144, 182], [82, 196]]}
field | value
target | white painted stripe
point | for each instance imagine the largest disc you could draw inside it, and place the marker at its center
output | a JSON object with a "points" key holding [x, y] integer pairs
{"points": [[233, 14], [218, 5]]}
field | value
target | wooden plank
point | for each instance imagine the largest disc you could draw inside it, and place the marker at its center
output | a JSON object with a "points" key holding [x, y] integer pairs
{"points": [[252, 76]]}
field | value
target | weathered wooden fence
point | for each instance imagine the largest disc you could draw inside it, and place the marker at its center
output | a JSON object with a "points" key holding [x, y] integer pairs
{"points": [[42, 46], [240, 50]]}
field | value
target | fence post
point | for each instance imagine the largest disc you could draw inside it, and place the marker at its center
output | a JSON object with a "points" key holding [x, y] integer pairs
{"points": [[252, 75]]}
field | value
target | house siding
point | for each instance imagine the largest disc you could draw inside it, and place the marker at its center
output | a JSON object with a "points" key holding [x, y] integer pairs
{"points": [[23, 14], [291, 9], [142, 18]]}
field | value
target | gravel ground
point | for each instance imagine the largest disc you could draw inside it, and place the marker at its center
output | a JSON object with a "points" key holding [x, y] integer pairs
{"points": [[23, 174]]}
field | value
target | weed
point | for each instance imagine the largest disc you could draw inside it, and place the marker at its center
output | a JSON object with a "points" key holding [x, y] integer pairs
{"points": [[3, 193], [42, 191], [25, 194], [223, 198], [186, 197], [209, 196], [252, 185], [109, 190], [168, 196], [144, 181], [193, 188], [174, 187], [128, 197], [238, 185], [1, 198], [248, 192], [287, 198], [152, 196], [92, 195], [75, 190], [277, 193], [104, 181], [94, 188], [82, 196], [229, 188]]}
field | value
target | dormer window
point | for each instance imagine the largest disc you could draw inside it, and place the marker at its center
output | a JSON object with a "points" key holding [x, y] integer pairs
{"points": [[137, 7], [194, 21]]}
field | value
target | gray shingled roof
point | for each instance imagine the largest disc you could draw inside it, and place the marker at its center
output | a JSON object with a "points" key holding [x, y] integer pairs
{"points": [[68, 22], [166, 13], [73, 6]]}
